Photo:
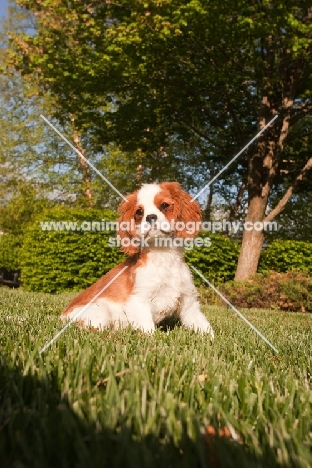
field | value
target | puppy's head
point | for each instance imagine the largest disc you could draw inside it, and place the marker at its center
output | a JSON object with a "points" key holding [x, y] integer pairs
{"points": [[157, 210]]}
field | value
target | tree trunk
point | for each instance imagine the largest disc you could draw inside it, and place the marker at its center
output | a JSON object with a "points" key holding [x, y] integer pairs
{"points": [[138, 177], [235, 207], [252, 240], [262, 169], [207, 210], [86, 174], [237, 204], [263, 165], [261, 172], [85, 169]]}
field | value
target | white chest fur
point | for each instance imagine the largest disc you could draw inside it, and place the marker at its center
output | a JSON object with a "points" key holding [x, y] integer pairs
{"points": [[161, 281]]}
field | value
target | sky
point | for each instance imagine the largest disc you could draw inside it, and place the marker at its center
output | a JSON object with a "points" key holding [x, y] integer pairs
{"points": [[3, 7]]}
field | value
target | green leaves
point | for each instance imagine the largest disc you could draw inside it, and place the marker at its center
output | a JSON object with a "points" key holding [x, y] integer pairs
{"points": [[183, 77], [129, 49], [285, 255], [10, 247], [65, 259], [217, 262]]}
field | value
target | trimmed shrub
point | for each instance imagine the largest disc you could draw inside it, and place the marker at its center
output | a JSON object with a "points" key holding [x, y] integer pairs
{"points": [[286, 255], [66, 260], [291, 291], [10, 246], [217, 262], [55, 260]]}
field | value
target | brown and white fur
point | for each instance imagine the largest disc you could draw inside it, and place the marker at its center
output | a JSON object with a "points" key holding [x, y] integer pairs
{"points": [[157, 282]]}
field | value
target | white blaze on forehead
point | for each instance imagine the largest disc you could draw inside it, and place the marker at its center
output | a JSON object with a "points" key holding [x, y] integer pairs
{"points": [[146, 196]]}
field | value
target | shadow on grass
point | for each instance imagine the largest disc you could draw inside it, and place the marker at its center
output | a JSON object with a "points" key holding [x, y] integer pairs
{"points": [[38, 428]]}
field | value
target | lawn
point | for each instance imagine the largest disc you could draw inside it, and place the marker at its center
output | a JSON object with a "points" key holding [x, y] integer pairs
{"points": [[125, 399]]}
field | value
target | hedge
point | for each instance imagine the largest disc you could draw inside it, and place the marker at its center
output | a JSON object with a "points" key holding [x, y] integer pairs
{"points": [[287, 255], [54, 261], [10, 246], [61, 260], [217, 262]]}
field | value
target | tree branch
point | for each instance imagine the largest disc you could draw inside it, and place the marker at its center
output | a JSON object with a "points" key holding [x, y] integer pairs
{"points": [[302, 111], [289, 192], [202, 135], [85, 170], [235, 207], [207, 210]]}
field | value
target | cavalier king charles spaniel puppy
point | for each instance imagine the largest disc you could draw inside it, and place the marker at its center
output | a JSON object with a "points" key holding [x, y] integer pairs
{"points": [[154, 282]]}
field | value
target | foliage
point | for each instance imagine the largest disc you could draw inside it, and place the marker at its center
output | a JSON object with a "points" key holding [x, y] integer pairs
{"points": [[290, 291], [66, 260], [145, 75], [63, 260], [33, 157], [295, 221], [19, 210], [148, 60], [10, 246], [140, 74], [15, 216], [217, 262], [285, 255], [125, 399]]}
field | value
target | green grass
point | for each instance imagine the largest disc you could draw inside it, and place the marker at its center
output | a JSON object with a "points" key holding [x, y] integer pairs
{"points": [[124, 399]]}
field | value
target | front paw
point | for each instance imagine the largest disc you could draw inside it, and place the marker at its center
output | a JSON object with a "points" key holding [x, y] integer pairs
{"points": [[205, 328], [148, 328], [202, 325], [211, 332]]}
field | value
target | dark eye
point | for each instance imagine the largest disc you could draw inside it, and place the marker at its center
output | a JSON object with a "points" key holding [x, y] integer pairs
{"points": [[139, 212], [164, 206]]}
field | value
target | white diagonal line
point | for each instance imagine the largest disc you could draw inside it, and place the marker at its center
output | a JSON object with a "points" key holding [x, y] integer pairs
{"points": [[235, 310], [82, 310], [83, 157], [238, 154]]}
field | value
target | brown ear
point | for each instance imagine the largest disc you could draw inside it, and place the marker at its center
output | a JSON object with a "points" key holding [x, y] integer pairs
{"points": [[126, 230], [185, 210]]}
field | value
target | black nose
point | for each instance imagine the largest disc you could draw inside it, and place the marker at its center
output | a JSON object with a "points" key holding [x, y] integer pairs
{"points": [[151, 218]]}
